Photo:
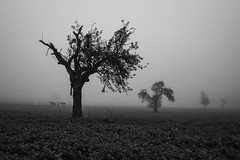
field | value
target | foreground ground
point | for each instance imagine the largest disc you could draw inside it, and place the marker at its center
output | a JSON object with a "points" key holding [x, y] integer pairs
{"points": [[120, 134]]}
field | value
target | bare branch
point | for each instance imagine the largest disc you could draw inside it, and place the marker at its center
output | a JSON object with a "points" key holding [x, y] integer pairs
{"points": [[78, 39], [44, 43], [61, 60], [57, 54], [76, 65]]}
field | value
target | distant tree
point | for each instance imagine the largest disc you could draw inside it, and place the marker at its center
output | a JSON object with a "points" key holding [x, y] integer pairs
{"points": [[87, 54], [204, 99], [155, 100], [223, 102]]}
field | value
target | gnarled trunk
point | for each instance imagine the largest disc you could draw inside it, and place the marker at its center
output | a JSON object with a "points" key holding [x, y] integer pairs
{"points": [[77, 103], [77, 82]]}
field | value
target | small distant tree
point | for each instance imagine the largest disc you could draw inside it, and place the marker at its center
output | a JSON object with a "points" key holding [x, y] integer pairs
{"points": [[154, 100], [113, 60], [204, 99], [223, 102]]}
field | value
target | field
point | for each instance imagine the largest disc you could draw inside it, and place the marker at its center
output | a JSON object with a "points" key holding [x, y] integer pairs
{"points": [[49, 132]]}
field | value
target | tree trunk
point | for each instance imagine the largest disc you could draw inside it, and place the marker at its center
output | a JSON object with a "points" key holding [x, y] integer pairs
{"points": [[77, 103], [155, 108]]}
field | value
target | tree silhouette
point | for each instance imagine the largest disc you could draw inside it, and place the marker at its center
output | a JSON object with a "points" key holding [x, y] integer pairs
{"points": [[87, 54], [204, 99], [155, 100], [223, 102]]}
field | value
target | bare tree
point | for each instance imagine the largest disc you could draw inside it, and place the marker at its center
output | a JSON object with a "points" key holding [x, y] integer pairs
{"points": [[204, 99], [155, 100], [87, 54]]}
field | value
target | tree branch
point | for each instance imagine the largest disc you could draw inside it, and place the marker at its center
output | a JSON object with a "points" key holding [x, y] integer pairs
{"points": [[71, 58], [75, 56], [96, 65], [58, 55], [87, 73]]}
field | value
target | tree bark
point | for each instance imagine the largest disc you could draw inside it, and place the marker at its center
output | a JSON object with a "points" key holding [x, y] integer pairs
{"points": [[155, 109], [77, 103]]}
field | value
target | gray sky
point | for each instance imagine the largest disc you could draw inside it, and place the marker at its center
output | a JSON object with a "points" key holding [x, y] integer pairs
{"points": [[193, 46]]}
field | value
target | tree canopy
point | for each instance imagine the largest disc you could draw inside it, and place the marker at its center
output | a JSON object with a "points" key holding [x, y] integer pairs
{"points": [[112, 60], [88, 53]]}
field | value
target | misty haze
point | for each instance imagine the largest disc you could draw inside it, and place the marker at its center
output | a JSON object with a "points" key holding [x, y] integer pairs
{"points": [[123, 79]]}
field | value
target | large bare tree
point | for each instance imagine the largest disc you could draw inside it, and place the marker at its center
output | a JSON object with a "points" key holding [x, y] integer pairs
{"points": [[88, 53]]}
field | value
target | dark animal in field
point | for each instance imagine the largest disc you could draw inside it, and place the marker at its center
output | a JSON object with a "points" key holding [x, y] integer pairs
{"points": [[52, 103]]}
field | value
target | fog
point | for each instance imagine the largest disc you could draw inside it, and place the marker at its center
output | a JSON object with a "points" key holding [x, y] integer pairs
{"points": [[192, 46]]}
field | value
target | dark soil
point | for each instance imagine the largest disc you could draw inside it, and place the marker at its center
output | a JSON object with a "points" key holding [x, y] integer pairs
{"points": [[167, 135]]}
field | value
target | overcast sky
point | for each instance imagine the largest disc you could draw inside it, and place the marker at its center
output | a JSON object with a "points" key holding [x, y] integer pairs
{"points": [[192, 46]]}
